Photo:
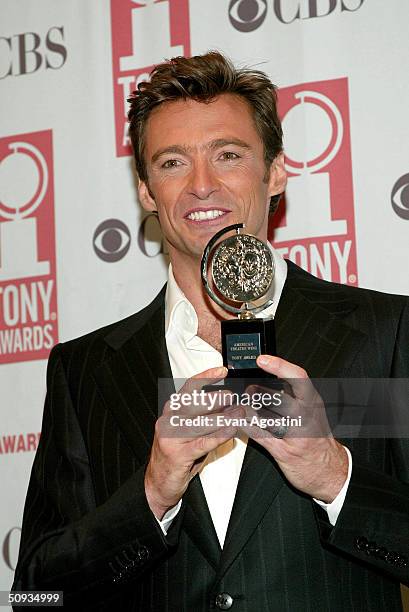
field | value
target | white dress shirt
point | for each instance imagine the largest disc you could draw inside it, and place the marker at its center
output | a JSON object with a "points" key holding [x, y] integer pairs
{"points": [[190, 355]]}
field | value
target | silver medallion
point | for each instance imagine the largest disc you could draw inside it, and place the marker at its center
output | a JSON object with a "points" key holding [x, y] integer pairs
{"points": [[242, 271], [242, 268]]}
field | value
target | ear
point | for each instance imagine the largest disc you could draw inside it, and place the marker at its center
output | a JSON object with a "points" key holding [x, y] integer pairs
{"points": [[278, 176], [145, 197]]}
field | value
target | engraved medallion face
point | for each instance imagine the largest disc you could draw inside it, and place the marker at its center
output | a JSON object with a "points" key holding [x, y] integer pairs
{"points": [[242, 268]]}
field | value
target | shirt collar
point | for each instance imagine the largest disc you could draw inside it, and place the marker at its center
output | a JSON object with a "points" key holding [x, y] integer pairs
{"points": [[179, 312]]}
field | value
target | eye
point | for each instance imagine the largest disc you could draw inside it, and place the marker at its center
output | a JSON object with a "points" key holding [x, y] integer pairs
{"points": [[247, 15], [111, 240], [229, 156], [400, 197], [171, 163]]}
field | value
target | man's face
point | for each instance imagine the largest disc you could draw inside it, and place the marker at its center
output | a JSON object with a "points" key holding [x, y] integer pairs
{"points": [[206, 170]]}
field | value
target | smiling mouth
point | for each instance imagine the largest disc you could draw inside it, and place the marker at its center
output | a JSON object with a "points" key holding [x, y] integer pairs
{"points": [[206, 215]]}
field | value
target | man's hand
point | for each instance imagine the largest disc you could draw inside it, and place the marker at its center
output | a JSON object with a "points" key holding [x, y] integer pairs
{"points": [[178, 453], [311, 459]]}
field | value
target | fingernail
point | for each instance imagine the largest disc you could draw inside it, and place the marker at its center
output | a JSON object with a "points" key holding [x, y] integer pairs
{"points": [[221, 371], [263, 359]]}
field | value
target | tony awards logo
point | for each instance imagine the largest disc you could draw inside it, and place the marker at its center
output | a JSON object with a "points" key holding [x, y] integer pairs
{"points": [[18, 235], [135, 50], [306, 157], [28, 294], [143, 43], [318, 232], [242, 270]]}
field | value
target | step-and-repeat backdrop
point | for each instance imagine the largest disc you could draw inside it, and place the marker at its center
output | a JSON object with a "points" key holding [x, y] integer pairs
{"points": [[75, 250]]}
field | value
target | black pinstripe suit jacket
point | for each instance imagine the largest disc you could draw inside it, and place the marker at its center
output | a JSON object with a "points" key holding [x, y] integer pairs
{"points": [[88, 530]]}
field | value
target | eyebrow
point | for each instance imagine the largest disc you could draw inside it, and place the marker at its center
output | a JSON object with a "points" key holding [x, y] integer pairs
{"points": [[223, 142], [214, 144]]}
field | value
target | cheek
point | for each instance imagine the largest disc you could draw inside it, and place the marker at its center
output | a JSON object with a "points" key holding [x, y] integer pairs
{"points": [[239, 180], [249, 177], [165, 193], [252, 188]]}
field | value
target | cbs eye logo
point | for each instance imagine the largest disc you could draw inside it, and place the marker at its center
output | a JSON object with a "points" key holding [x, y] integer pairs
{"points": [[247, 15], [400, 197], [111, 240]]}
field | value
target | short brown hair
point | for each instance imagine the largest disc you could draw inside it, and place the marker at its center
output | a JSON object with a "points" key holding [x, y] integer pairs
{"points": [[203, 78]]}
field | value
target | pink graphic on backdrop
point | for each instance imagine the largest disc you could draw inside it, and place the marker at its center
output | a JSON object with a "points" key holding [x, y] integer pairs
{"points": [[315, 227], [28, 292], [144, 33]]}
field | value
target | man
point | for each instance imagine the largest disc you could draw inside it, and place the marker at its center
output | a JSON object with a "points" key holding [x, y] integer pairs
{"points": [[120, 516]]}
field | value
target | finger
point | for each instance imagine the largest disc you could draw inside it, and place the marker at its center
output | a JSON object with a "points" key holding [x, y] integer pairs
{"points": [[260, 435], [280, 367], [276, 425], [266, 401], [290, 372], [196, 382], [199, 402], [213, 374], [206, 444], [213, 401], [192, 389], [283, 450], [190, 427]]}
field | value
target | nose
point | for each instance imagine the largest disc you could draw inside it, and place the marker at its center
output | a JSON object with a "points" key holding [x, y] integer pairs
{"points": [[203, 181]]}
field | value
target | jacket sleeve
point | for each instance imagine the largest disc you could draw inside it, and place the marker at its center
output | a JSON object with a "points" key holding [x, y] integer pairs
{"points": [[373, 525], [67, 542]]}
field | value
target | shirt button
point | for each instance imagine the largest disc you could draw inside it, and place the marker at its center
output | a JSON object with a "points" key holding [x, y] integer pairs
{"points": [[224, 601]]}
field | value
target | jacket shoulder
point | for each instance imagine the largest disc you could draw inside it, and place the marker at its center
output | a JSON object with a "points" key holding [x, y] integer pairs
{"points": [[329, 292], [98, 342]]}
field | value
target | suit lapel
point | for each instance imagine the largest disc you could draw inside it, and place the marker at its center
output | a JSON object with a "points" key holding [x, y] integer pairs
{"points": [[259, 483], [198, 523], [309, 327], [310, 333], [128, 379], [128, 383]]}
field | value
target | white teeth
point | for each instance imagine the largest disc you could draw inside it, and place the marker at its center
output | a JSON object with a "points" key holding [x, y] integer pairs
{"points": [[201, 215]]}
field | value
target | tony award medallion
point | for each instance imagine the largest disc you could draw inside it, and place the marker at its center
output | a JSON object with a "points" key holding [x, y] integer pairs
{"points": [[242, 270]]}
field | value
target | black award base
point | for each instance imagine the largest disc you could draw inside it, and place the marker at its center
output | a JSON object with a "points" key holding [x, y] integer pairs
{"points": [[243, 340]]}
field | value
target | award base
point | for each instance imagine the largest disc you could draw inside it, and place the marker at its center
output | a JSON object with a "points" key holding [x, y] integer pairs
{"points": [[243, 340]]}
